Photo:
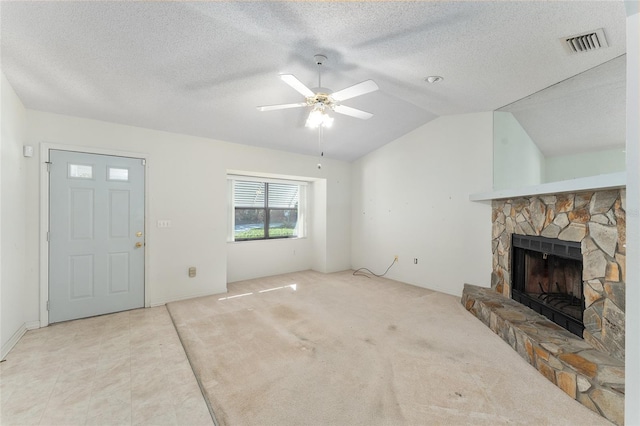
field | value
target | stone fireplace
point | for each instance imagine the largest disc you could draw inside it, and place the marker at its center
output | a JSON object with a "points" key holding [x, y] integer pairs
{"points": [[562, 253], [595, 220]]}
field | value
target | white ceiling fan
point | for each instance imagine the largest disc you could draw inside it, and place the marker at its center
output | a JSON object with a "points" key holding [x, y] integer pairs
{"points": [[324, 101]]}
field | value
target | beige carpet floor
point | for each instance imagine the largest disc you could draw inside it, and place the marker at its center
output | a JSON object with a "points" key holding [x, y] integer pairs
{"points": [[335, 349]]}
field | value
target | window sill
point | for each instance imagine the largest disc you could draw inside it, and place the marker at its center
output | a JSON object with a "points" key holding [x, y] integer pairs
{"points": [[267, 240]]}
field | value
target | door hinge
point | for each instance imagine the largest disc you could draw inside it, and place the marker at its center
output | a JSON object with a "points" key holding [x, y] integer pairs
{"points": [[48, 236], [144, 162], [47, 305], [48, 163]]}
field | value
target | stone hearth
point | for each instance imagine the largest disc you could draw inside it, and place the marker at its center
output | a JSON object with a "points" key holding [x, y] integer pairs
{"points": [[593, 378]]}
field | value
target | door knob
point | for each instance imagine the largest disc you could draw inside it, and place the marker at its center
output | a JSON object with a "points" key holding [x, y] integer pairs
{"points": [[138, 245]]}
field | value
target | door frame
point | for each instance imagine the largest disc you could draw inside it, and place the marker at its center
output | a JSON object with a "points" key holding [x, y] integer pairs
{"points": [[45, 147]]}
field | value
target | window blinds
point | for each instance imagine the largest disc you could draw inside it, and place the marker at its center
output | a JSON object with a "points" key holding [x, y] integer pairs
{"points": [[251, 194]]}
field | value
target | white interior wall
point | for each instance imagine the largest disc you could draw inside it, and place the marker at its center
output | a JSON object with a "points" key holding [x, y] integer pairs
{"points": [[14, 318], [187, 185], [411, 199], [632, 321], [338, 216], [517, 161], [318, 226], [254, 259], [585, 164]]}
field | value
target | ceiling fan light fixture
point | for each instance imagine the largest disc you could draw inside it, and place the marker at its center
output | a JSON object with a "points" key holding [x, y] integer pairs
{"points": [[317, 117]]}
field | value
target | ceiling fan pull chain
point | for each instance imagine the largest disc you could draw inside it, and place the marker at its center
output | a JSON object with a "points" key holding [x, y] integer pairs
{"points": [[320, 146]]}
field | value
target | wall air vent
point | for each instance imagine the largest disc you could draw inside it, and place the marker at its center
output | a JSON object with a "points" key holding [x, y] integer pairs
{"points": [[586, 42]]}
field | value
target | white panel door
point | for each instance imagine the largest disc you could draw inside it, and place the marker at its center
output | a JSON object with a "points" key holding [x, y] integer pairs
{"points": [[96, 234]]}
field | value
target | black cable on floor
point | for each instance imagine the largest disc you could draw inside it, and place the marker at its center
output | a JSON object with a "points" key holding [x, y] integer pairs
{"points": [[357, 272]]}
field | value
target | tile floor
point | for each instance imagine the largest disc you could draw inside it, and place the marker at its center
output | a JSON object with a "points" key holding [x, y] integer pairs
{"points": [[127, 368]]}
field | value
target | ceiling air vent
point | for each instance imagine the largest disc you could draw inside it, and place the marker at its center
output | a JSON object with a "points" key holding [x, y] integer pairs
{"points": [[586, 42]]}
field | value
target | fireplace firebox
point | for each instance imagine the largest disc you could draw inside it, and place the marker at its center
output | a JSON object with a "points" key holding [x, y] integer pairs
{"points": [[547, 277]]}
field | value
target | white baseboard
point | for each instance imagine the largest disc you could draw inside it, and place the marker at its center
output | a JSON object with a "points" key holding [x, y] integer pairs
{"points": [[6, 348], [32, 325]]}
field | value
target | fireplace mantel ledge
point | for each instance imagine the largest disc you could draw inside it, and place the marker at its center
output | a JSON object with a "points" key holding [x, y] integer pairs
{"points": [[607, 181]]}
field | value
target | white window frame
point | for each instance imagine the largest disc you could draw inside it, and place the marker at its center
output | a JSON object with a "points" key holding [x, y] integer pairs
{"points": [[301, 226]]}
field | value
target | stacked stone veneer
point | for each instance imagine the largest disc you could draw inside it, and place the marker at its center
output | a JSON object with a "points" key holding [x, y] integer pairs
{"points": [[597, 220]]}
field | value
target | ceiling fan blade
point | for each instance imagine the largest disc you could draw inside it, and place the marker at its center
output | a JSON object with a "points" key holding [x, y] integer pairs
{"points": [[357, 113], [292, 81], [282, 106], [355, 90]]}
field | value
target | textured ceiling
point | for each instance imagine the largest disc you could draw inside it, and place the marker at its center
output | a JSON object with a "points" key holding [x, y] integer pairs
{"points": [[200, 68]]}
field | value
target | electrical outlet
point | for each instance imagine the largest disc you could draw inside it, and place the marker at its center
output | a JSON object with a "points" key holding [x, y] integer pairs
{"points": [[395, 259]]}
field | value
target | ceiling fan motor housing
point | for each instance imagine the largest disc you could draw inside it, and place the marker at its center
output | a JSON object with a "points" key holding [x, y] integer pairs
{"points": [[320, 98]]}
